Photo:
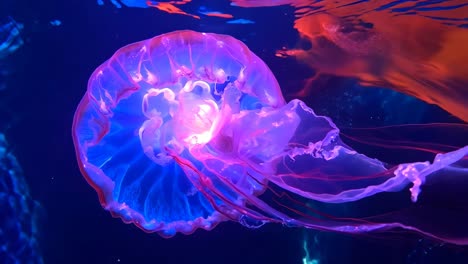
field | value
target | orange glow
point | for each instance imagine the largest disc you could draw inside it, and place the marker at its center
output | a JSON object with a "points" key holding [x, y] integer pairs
{"points": [[170, 7], [221, 15], [417, 50]]}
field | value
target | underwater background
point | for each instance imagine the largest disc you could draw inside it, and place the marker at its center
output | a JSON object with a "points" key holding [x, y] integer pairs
{"points": [[375, 64]]}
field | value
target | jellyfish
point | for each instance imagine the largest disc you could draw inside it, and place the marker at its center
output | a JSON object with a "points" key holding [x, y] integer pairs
{"points": [[186, 130], [18, 213]]}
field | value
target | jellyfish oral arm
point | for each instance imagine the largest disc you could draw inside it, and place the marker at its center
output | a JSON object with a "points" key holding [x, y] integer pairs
{"points": [[303, 153], [178, 121], [199, 114]]}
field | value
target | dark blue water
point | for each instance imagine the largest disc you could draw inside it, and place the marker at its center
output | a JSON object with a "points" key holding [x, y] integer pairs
{"points": [[48, 78]]}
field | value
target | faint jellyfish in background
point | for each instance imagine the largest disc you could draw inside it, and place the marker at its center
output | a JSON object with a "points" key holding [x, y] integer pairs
{"points": [[10, 41], [377, 54], [18, 213]]}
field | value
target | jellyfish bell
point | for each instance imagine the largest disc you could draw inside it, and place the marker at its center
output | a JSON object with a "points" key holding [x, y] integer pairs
{"points": [[147, 107]]}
